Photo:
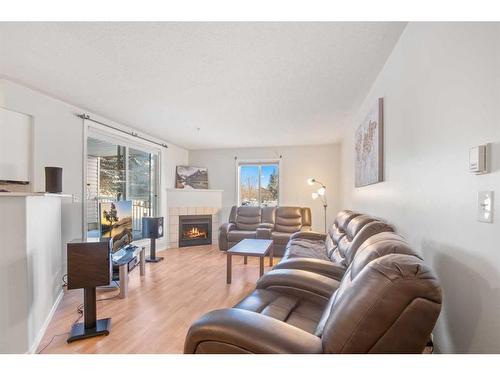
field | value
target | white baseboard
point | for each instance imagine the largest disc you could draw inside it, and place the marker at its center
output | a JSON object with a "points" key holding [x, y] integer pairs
{"points": [[41, 333]]}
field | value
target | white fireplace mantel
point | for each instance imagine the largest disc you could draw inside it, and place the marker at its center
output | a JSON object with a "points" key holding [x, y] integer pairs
{"points": [[194, 198]]}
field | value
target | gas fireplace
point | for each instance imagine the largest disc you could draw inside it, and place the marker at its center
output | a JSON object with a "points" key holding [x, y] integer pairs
{"points": [[195, 230]]}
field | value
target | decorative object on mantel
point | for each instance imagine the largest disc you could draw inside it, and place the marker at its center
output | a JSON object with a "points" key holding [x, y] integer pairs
{"points": [[187, 177], [53, 180], [321, 193], [369, 147]]}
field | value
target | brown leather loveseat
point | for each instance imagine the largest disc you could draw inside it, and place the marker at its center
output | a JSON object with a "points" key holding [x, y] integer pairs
{"points": [[276, 223]]}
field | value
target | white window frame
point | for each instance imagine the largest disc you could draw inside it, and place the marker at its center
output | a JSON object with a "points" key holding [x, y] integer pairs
{"points": [[94, 130], [240, 162]]}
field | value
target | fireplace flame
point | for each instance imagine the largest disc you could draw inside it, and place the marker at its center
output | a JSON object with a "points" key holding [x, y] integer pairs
{"points": [[195, 233]]}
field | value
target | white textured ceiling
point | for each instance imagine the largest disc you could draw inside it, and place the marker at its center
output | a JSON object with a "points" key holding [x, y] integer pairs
{"points": [[241, 84]]}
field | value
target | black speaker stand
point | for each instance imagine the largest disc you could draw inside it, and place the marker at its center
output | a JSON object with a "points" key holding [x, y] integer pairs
{"points": [[90, 327], [153, 258]]}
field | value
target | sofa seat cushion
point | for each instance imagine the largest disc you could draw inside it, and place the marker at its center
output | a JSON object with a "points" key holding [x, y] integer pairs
{"points": [[281, 238], [287, 308], [238, 235], [306, 249]]}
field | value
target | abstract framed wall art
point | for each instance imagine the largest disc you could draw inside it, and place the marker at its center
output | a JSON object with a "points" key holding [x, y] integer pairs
{"points": [[369, 147]]}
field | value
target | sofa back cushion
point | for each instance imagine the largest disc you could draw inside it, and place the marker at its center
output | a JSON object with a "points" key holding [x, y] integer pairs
{"points": [[353, 228], [232, 214], [339, 227], [337, 231], [288, 219], [369, 230], [268, 215], [306, 217], [375, 247], [386, 293], [344, 217], [248, 218], [390, 307]]}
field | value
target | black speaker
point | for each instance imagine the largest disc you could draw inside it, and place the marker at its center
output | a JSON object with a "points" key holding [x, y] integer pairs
{"points": [[89, 263], [53, 180], [152, 227], [89, 266]]}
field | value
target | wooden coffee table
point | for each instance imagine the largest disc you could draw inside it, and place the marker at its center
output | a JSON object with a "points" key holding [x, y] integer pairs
{"points": [[252, 248]]}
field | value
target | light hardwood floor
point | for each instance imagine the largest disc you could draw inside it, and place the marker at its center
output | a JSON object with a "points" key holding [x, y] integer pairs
{"points": [[161, 306]]}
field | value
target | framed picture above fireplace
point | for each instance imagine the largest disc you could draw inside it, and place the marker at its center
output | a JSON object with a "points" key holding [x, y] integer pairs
{"points": [[187, 177]]}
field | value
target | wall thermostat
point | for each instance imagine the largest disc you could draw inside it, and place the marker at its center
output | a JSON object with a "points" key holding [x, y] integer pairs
{"points": [[477, 160]]}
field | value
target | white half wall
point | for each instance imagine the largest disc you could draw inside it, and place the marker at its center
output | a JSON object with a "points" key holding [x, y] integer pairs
{"points": [[297, 165], [441, 90], [30, 269]]}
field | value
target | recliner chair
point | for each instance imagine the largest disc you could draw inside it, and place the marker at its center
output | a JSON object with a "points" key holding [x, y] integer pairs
{"points": [[332, 254], [289, 220], [244, 222], [387, 302]]}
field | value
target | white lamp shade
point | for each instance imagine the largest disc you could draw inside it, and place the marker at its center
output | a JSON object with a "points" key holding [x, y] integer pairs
{"points": [[314, 195], [321, 191]]}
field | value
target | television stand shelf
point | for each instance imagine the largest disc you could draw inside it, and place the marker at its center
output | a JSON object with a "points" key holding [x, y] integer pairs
{"points": [[123, 268]]}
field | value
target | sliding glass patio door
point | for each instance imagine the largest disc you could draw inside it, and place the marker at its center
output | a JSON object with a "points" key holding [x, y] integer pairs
{"points": [[117, 171]]}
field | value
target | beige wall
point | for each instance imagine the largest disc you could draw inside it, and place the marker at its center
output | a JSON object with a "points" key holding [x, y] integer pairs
{"points": [[441, 88], [298, 164]]}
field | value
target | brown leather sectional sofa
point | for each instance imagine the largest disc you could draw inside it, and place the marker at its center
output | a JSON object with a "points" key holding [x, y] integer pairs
{"points": [[360, 289], [276, 223]]}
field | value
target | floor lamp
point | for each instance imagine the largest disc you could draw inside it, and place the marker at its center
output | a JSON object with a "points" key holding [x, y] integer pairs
{"points": [[321, 193]]}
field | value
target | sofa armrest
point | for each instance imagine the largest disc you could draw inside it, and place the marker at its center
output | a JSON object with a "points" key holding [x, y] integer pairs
{"points": [[298, 279], [263, 233], [308, 235], [269, 226], [305, 228], [224, 229], [227, 227], [243, 331], [323, 267]]}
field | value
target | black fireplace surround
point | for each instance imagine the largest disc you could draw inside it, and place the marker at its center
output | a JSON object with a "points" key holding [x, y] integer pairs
{"points": [[195, 230]]}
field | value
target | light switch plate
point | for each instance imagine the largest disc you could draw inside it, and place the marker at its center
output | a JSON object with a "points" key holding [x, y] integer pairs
{"points": [[485, 206]]}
